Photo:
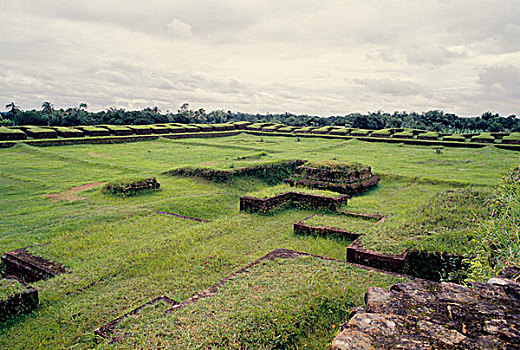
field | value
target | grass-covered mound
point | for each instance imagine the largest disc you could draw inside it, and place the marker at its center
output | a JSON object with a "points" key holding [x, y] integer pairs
{"points": [[341, 131], [430, 135], [405, 134], [346, 178], [11, 134], [455, 137], [361, 132], [286, 303], [118, 130], [304, 130], [483, 137], [140, 129], [67, 132], [382, 133], [41, 133], [447, 222], [513, 138], [271, 172], [131, 187], [91, 130]]}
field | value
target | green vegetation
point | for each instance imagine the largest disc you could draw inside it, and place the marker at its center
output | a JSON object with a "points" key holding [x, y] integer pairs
{"points": [[9, 287], [335, 165], [122, 254], [361, 132], [429, 134], [497, 240], [382, 132], [483, 136], [404, 134], [454, 137], [515, 136], [276, 190], [296, 303], [131, 187], [342, 222]]}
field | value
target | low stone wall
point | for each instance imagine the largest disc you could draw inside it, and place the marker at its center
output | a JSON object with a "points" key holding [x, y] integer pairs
{"points": [[19, 303], [29, 267], [301, 200], [350, 189], [132, 188], [430, 315], [301, 228], [357, 254], [348, 182]]}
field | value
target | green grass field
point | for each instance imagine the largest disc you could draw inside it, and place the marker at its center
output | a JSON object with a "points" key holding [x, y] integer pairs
{"points": [[122, 254]]}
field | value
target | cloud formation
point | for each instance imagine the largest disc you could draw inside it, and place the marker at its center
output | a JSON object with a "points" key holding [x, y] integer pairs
{"points": [[331, 57]]}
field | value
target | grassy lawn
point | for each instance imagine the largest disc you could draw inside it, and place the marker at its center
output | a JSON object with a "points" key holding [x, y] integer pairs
{"points": [[123, 254]]}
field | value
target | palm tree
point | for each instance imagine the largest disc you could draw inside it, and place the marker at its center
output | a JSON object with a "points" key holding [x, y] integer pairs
{"points": [[48, 108], [13, 110]]}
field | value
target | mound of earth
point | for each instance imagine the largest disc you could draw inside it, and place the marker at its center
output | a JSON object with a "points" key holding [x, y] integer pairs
{"points": [[346, 178]]}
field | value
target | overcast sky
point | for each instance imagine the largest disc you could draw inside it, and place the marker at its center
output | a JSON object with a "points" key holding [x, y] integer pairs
{"points": [[313, 57]]}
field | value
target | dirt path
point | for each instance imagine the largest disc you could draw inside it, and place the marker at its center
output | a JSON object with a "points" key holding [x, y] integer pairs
{"points": [[72, 194]]}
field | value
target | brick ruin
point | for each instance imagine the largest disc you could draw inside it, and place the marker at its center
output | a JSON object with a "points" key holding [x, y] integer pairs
{"points": [[348, 180], [291, 199]]}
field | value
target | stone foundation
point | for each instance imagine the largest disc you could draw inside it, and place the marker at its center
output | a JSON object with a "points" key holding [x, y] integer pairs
{"points": [[431, 315]]}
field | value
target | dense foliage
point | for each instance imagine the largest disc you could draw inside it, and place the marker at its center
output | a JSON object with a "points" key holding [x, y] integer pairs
{"points": [[433, 120], [499, 237]]}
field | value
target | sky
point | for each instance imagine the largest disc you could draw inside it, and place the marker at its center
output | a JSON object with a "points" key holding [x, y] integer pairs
{"points": [[258, 56]]}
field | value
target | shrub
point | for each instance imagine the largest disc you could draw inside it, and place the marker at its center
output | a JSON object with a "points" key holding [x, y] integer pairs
{"points": [[131, 187], [498, 238]]}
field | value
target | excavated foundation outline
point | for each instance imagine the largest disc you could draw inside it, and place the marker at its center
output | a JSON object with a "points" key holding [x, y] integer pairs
{"points": [[109, 329], [183, 216], [30, 267], [358, 254]]}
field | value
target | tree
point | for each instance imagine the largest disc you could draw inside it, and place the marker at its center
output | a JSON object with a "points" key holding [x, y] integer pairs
{"points": [[48, 108], [83, 106], [13, 111]]}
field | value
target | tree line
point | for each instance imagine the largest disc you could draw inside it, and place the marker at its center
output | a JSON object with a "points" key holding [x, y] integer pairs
{"points": [[434, 120]]}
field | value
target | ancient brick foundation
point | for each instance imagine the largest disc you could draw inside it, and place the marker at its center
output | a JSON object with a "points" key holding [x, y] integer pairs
{"points": [[29, 267], [348, 182], [20, 303], [291, 199]]}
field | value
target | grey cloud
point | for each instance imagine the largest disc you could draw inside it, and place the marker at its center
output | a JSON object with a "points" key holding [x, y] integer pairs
{"points": [[395, 87], [263, 55], [501, 80]]}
